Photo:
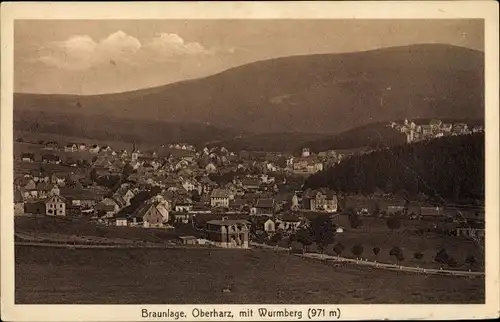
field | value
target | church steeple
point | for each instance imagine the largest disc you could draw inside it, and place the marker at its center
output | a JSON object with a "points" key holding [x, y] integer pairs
{"points": [[134, 153]]}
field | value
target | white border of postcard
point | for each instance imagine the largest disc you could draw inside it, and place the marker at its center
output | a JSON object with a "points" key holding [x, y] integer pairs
{"points": [[487, 10]]}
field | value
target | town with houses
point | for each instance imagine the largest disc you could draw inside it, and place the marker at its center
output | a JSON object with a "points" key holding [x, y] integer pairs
{"points": [[214, 195], [434, 129], [197, 163]]}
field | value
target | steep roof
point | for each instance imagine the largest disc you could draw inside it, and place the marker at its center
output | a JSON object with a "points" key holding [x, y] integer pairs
{"points": [[78, 194], [42, 186], [51, 199], [265, 203], [220, 193], [227, 222]]}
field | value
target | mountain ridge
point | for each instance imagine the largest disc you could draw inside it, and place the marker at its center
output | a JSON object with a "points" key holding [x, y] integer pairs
{"points": [[322, 93]]}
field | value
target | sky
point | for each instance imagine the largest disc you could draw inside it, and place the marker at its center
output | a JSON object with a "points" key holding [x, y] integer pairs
{"points": [[88, 57]]}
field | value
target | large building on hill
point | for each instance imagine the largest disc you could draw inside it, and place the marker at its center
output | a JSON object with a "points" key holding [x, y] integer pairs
{"points": [[220, 198], [320, 201], [228, 233], [55, 206]]}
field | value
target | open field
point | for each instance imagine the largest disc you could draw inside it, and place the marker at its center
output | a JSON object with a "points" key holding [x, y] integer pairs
{"points": [[373, 233], [56, 228], [457, 247], [62, 276]]}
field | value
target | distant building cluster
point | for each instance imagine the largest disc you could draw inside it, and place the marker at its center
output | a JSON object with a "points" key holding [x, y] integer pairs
{"points": [[434, 129], [309, 163]]}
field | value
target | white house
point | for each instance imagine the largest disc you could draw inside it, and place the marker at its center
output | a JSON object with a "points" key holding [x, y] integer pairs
{"points": [[269, 226], [94, 149], [71, 147], [220, 198], [210, 168], [121, 222], [55, 206]]}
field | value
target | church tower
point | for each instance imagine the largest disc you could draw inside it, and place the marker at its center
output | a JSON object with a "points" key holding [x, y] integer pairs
{"points": [[135, 155]]}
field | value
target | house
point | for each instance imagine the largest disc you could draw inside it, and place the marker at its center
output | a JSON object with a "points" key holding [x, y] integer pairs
{"points": [[51, 158], [106, 148], [40, 177], [120, 201], [182, 217], [426, 130], [238, 204], [27, 157], [435, 124], [394, 209], [250, 184], [269, 226], [183, 207], [211, 168], [51, 145], [228, 233], [80, 198], [289, 223], [321, 201], [121, 222], [478, 129], [82, 147], [71, 147], [188, 240], [55, 206], [460, 129], [446, 127], [164, 211], [431, 211], [165, 199], [45, 190], [149, 216], [264, 207], [125, 195], [107, 207], [94, 149], [220, 198], [189, 185]]}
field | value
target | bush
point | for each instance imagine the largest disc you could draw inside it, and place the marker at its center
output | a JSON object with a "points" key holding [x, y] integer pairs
{"points": [[393, 223], [357, 250], [442, 256], [418, 255], [395, 251], [471, 260], [338, 249], [452, 262]]}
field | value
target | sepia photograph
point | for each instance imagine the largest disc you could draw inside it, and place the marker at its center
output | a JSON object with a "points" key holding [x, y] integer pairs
{"points": [[273, 161]]}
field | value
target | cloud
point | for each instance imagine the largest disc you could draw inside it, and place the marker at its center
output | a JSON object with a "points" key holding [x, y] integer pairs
{"points": [[81, 52]]}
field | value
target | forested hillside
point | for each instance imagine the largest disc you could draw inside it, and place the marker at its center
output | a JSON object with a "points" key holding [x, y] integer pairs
{"points": [[451, 168]]}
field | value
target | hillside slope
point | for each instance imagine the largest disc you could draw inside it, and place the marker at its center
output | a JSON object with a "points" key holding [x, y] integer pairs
{"points": [[105, 128], [451, 168], [327, 93]]}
